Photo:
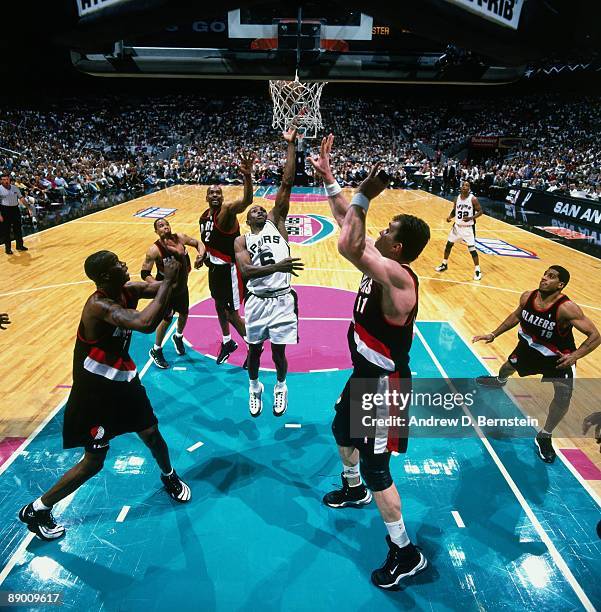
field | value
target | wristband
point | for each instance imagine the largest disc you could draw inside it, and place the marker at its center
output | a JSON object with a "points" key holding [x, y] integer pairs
{"points": [[333, 189], [493, 335], [361, 201]]}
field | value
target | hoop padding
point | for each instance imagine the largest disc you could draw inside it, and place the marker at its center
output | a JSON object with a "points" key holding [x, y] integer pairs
{"points": [[293, 99]]}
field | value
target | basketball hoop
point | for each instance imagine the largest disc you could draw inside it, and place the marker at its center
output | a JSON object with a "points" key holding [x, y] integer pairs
{"points": [[298, 103]]}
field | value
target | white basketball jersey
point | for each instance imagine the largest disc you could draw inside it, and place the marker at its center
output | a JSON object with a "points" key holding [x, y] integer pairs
{"points": [[265, 248], [464, 208]]}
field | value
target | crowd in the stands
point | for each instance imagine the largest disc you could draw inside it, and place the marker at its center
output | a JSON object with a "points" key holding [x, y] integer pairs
{"points": [[79, 148]]}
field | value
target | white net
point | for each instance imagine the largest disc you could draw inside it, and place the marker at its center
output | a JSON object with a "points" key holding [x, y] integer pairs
{"points": [[296, 102]]}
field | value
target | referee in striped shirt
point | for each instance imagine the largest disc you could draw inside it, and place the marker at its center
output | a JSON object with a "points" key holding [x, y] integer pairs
{"points": [[10, 215]]}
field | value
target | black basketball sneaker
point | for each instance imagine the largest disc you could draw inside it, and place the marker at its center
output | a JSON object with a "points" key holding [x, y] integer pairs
{"points": [[41, 522], [227, 348], [400, 563], [176, 487], [158, 358], [348, 496], [544, 447], [491, 381]]}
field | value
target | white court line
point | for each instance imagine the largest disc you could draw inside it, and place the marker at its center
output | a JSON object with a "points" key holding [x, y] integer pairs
{"points": [[121, 517], [179, 368], [65, 502], [324, 370], [458, 518], [192, 448], [570, 467], [556, 556], [293, 425], [43, 287]]}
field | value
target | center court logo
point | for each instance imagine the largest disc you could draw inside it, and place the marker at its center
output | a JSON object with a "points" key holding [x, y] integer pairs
{"points": [[494, 246], [308, 229]]}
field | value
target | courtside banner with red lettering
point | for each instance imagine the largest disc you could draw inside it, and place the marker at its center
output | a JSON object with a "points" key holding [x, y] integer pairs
{"points": [[502, 12], [484, 142]]}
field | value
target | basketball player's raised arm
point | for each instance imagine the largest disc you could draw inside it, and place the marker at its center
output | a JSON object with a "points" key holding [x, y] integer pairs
{"points": [[321, 164], [354, 244], [189, 241], [572, 313], [510, 322], [149, 260], [248, 270], [146, 320], [281, 207], [231, 209]]}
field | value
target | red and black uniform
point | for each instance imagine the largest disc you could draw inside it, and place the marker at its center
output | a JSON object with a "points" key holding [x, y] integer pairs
{"points": [[380, 355], [541, 341], [107, 398], [180, 301], [225, 280]]}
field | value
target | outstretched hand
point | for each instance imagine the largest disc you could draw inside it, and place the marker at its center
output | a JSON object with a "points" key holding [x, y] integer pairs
{"points": [[247, 160], [593, 420], [488, 338], [290, 135], [321, 163], [290, 264], [374, 184]]}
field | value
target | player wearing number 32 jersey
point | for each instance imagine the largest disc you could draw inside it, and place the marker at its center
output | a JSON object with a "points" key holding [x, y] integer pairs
{"points": [[271, 313], [466, 210]]}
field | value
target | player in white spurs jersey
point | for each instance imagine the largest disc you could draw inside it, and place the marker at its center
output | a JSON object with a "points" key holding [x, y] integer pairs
{"points": [[271, 313], [466, 210]]}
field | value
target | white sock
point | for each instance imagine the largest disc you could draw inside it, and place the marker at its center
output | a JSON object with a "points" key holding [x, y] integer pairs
{"points": [[157, 347], [477, 268], [280, 385], [351, 474], [445, 261], [254, 385], [168, 474], [545, 432], [397, 533], [178, 335], [227, 338], [38, 505]]}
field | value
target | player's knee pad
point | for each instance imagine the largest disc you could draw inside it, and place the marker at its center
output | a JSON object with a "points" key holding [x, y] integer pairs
{"points": [[472, 249], [563, 395], [340, 430], [376, 475]]}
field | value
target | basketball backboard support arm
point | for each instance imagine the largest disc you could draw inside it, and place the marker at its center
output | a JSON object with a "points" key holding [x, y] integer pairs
{"points": [[224, 63]]}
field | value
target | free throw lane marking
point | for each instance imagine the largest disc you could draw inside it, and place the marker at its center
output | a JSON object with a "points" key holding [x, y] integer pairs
{"points": [[194, 446], [123, 514]]}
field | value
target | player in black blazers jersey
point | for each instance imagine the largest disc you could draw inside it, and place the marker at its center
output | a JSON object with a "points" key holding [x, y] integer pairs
{"points": [[546, 346], [219, 228], [379, 339], [107, 398]]}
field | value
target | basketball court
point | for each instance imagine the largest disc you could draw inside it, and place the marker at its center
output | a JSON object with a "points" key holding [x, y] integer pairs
{"points": [[500, 528]]}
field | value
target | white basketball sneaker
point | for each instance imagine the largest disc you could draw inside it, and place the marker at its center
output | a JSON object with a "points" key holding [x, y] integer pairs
{"points": [[477, 275], [280, 400], [441, 268], [255, 401]]}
